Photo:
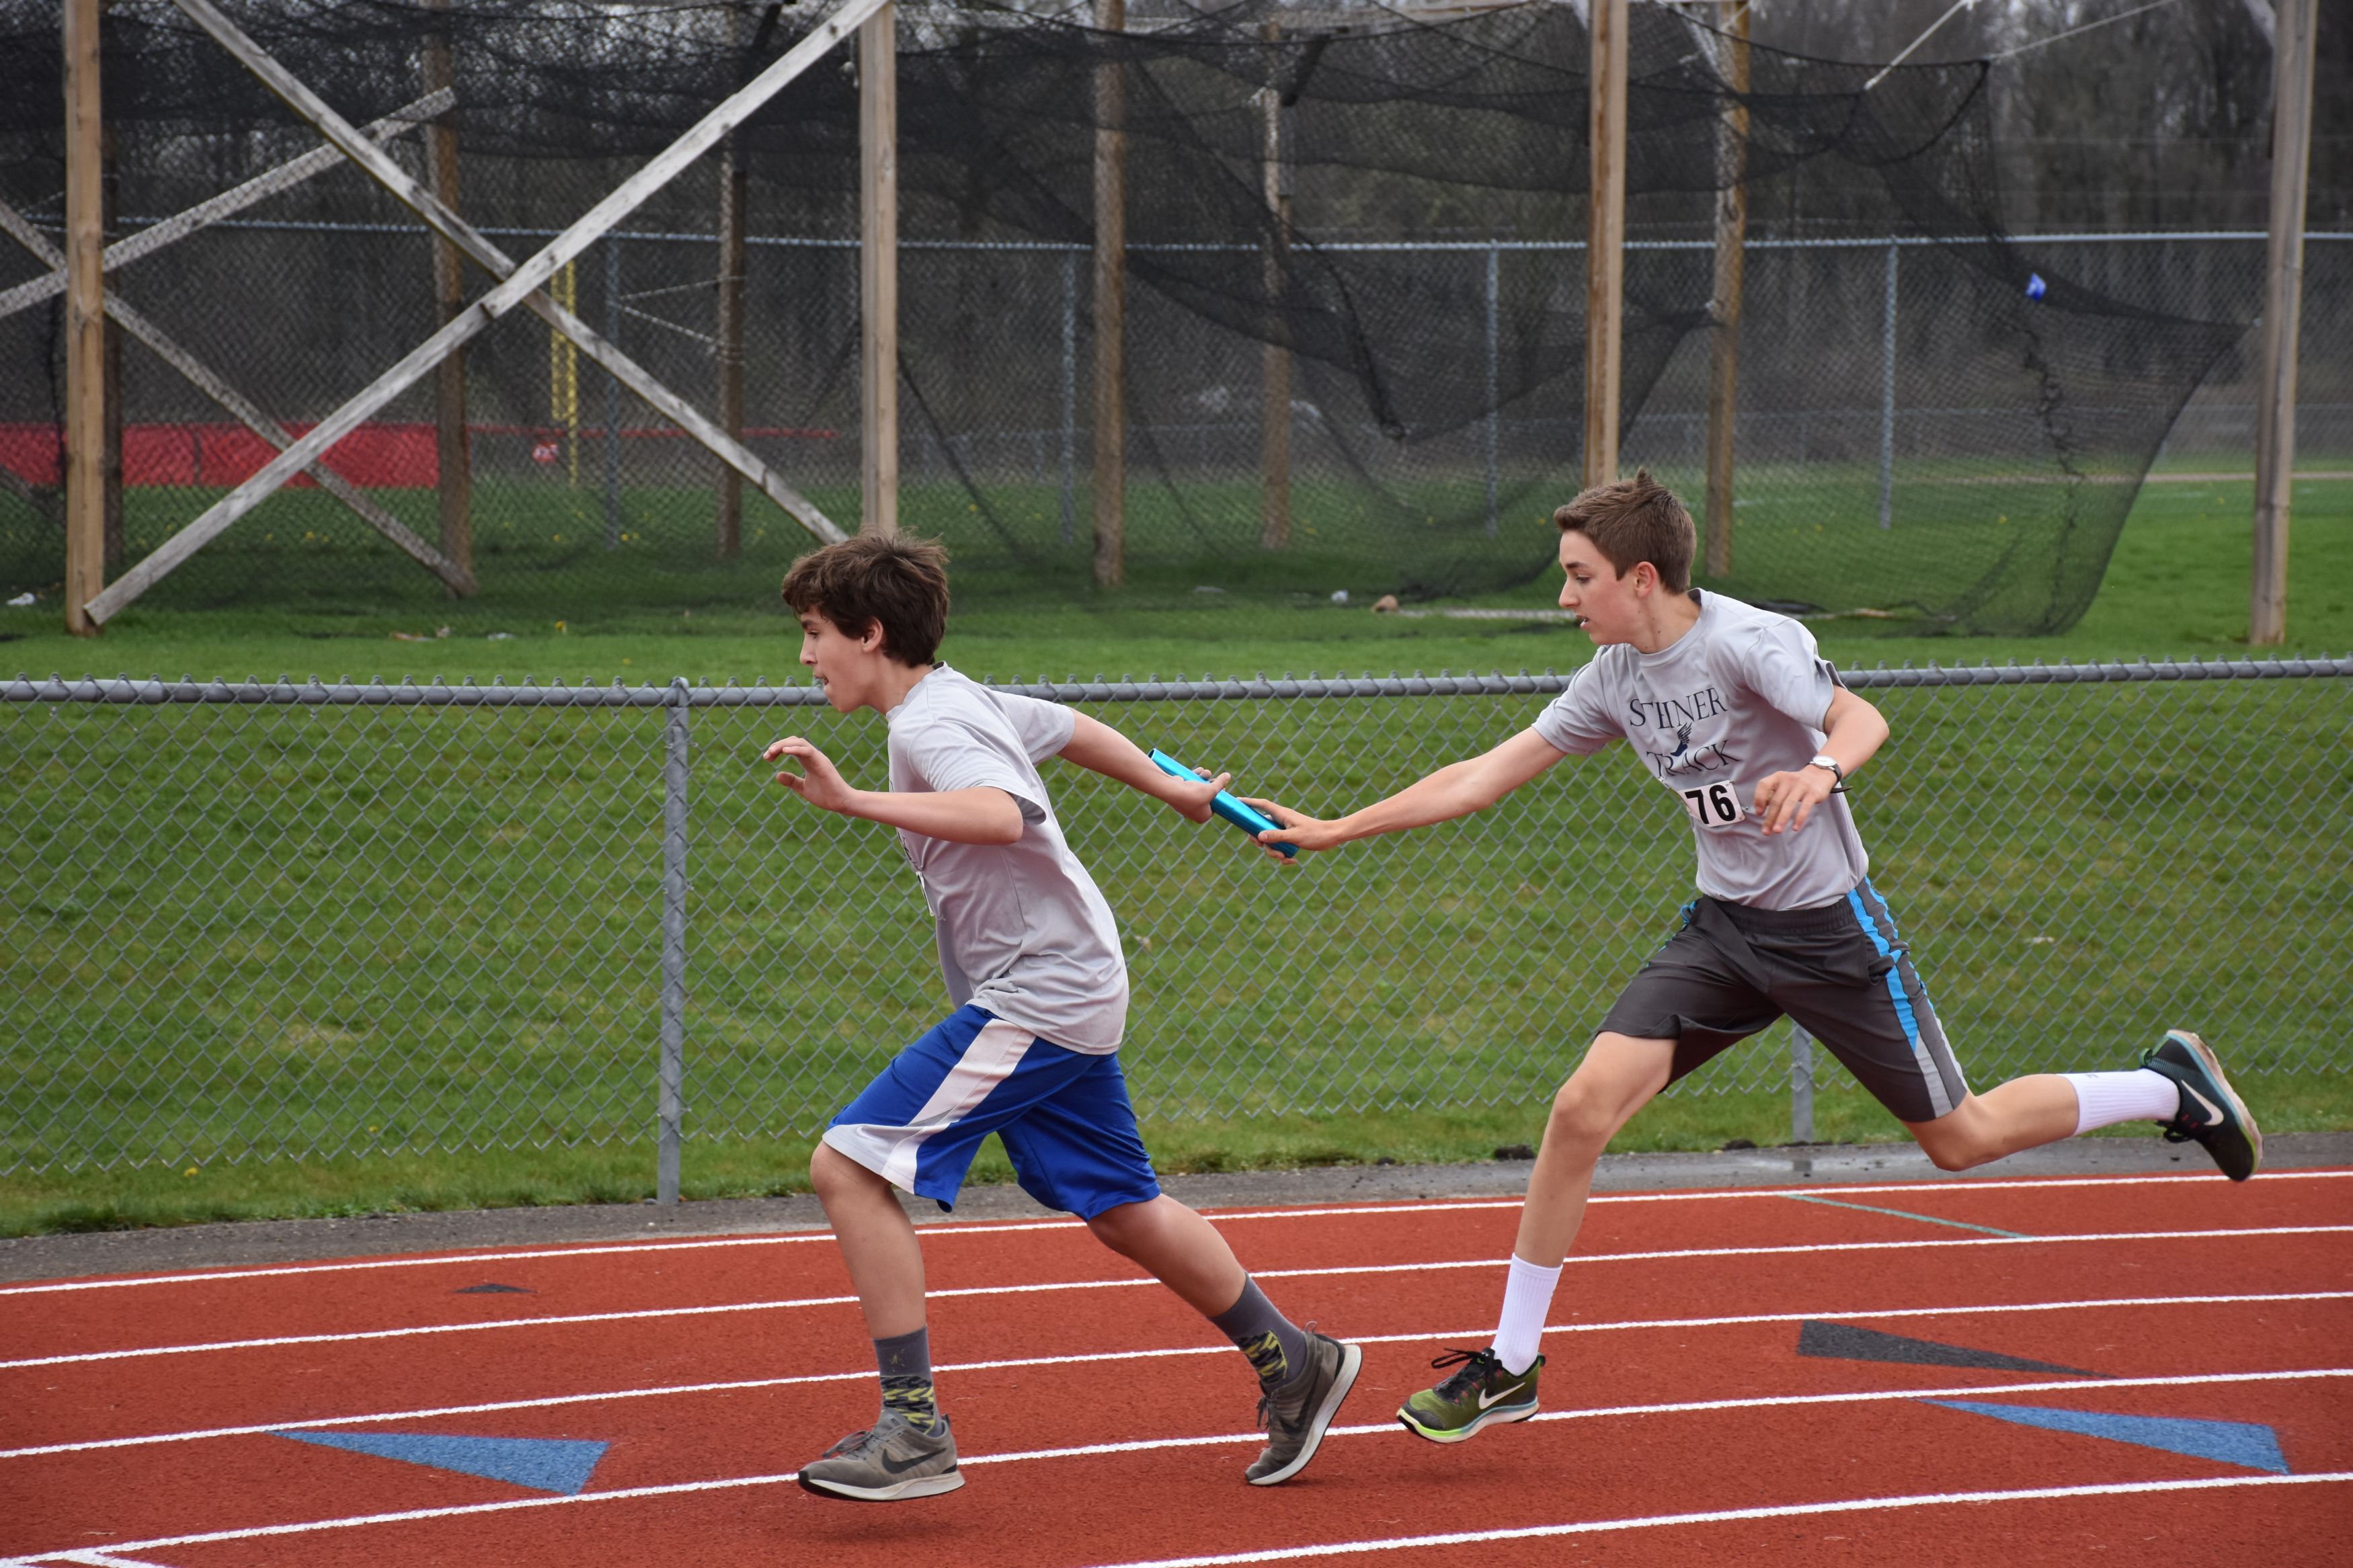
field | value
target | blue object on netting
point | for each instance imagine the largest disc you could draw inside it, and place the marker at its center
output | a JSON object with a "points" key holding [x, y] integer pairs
{"points": [[2035, 286]]}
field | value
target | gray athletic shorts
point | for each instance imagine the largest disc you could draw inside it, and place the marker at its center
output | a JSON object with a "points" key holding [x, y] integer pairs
{"points": [[1841, 971]]}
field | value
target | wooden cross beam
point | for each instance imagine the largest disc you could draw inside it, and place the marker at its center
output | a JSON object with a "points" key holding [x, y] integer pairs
{"points": [[171, 230], [249, 413], [521, 285]]}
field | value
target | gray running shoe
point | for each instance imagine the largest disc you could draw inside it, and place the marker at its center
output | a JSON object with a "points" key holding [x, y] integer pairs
{"points": [[1297, 1412], [888, 1463]]}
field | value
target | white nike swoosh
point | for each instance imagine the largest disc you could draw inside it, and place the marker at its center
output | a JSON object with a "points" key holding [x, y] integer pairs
{"points": [[1484, 1402], [2213, 1112]]}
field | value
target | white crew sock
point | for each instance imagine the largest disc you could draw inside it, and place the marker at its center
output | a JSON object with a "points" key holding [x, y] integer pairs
{"points": [[1528, 1296], [2104, 1099]]}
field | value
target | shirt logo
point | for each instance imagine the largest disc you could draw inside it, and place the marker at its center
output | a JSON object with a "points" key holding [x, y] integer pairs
{"points": [[1679, 716], [1708, 757]]}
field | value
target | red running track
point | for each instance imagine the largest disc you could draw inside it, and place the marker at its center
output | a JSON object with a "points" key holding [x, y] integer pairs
{"points": [[1101, 1423]]}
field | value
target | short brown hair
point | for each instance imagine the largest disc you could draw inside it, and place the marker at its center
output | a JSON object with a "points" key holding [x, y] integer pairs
{"points": [[1633, 521], [885, 580]]}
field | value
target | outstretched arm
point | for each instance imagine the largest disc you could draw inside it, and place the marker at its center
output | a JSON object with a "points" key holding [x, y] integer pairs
{"points": [[978, 816], [1099, 748], [1456, 790], [1852, 732]]}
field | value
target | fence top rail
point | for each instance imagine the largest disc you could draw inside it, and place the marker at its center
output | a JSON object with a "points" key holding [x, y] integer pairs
{"points": [[314, 693], [1496, 243]]}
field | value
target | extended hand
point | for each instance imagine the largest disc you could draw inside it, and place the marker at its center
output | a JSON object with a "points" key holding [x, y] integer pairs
{"points": [[819, 784], [1786, 800], [1299, 829], [1190, 798]]}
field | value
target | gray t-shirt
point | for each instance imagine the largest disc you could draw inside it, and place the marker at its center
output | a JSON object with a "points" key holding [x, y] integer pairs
{"points": [[1023, 930], [1739, 696]]}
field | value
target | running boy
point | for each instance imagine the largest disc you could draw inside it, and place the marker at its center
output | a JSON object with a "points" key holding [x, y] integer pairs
{"points": [[1033, 964], [1734, 710]]}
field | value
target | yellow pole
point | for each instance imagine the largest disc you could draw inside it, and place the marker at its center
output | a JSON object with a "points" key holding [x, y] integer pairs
{"points": [[564, 371]]}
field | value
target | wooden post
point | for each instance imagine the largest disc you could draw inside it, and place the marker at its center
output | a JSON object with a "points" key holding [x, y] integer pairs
{"points": [[2283, 305], [85, 322], [1724, 307], [878, 270], [1275, 530], [1604, 246], [1111, 306], [453, 447], [735, 195], [109, 215]]}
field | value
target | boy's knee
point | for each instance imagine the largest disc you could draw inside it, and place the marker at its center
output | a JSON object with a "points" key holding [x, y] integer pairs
{"points": [[1579, 1115], [834, 1176]]}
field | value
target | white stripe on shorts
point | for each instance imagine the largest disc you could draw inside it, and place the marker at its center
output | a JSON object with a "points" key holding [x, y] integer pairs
{"points": [[891, 1153]]}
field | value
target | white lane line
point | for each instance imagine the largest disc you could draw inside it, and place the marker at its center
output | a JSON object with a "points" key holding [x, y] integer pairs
{"points": [[947, 1228], [607, 1396], [1693, 1406], [1731, 1516], [1388, 1429], [1904, 1213], [641, 1314]]}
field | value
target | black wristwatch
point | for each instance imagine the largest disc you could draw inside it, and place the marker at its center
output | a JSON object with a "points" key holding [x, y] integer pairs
{"points": [[1838, 773]]}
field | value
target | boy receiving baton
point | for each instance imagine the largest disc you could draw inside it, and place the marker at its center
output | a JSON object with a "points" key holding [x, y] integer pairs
{"points": [[1032, 961], [1734, 710]]}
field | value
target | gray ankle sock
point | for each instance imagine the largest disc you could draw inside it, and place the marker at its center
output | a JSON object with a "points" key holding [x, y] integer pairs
{"points": [[1277, 1348], [905, 1361]]}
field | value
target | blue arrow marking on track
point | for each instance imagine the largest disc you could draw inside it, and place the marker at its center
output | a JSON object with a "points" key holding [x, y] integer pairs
{"points": [[2227, 1442], [544, 1464]]}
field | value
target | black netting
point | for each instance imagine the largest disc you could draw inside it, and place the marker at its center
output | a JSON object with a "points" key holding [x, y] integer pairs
{"points": [[1937, 420]]}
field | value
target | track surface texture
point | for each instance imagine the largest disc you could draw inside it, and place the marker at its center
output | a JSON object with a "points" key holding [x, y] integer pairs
{"points": [[2006, 1372]]}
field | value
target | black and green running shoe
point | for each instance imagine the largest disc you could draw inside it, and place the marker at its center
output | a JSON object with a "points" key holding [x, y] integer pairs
{"points": [[1479, 1393], [2211, 1112]]}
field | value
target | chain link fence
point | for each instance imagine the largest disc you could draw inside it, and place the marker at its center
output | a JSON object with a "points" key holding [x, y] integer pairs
{"points": [[248, 922]]}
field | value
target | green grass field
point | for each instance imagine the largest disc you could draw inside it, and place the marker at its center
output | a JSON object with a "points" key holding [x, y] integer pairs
{"points": [[2177, 586], [376, 993]]}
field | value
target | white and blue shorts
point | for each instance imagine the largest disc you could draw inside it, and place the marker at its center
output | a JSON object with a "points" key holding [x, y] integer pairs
{"points": [[1063, 1116]]}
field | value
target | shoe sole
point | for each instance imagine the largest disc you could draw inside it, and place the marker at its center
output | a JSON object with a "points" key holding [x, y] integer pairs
{"points": [[1352, 1361], [905, 1491], [2239, 1112], [1469, 1429]]}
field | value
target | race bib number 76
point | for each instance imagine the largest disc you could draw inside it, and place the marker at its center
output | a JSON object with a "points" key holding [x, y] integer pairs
{"points": [[1712, 805]]}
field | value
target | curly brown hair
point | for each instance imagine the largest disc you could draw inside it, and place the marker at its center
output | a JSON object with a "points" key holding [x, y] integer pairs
{"points": [[877, 579]]}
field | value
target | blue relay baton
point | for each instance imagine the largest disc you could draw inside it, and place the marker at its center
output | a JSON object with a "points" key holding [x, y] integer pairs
{"points": [[1226, 805]]}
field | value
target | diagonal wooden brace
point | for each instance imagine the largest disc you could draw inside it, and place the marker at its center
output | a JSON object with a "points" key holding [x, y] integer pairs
{"points": [[168, 349], [522, 286], [262, 186], [474, 243]]}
